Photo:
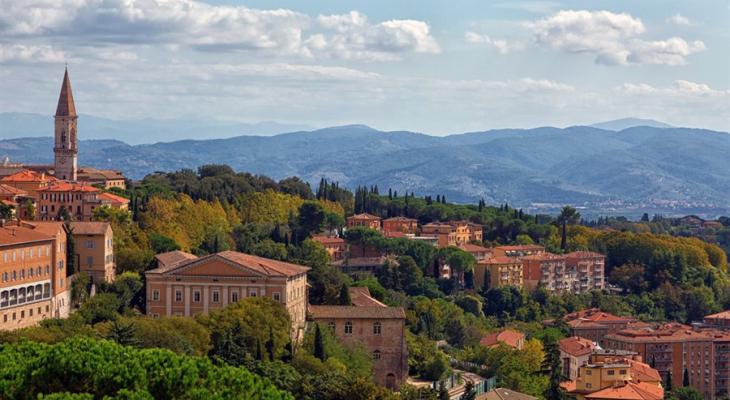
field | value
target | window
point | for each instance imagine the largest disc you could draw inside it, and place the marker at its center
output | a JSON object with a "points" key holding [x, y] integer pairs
{"points": [[611, 372], [234, 297], [252, 292], [588, 385], [216, 296], [178, 295], [196, 296], [155, 295], [622, 372], [89, 244], [89, 260], [377, 328], [277, 296], [331, 325], [376, 355], [589, 372], [348, 328]]}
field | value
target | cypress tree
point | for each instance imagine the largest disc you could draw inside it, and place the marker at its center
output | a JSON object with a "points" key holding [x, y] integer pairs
{"points": [[259, 352], [344, 298], [318, 343], [270, 344], [668, 386], [685, 378]]}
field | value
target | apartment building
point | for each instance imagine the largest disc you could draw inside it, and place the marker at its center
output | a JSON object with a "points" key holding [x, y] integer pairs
{"points": [[336, 247], [550, 271], [28, 181], [444, 232], [602, 377], [94, 250], [501, 271], [589, 268], [518, 250], [480, 253], [364, 220], [594, 324], [186, 285], [78, 200], [575, 352], [400, 225]]}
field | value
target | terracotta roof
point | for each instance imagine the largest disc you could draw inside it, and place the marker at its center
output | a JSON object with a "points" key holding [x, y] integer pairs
{"points": [[584, 254], [521, 247], [260, 265], [544, 257], [89, 228], [630, 391], [90, 173], [328, 239], [364, 216], [6, 190], [360, 297], [504, 394], [642, 372], [13, 234], [49, 228], [355, 312], [670, 332], [721, 315], [502, 260], [596, 315], [474, 248], [9, 203], [66, 106], [28, 176], [173, 257], [508, 336], [401, 219], [577, 346], [62, 186], [360, 262], [113, 198]]}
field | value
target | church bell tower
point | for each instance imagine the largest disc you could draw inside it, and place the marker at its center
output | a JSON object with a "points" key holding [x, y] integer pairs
{"points": [[65, 147]]}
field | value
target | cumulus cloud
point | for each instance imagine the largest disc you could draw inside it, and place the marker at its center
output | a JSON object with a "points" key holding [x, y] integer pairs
{"points": [[612, 38], [500, 45], [678, 88], [29, 53], [215, 28], [679, 19]]}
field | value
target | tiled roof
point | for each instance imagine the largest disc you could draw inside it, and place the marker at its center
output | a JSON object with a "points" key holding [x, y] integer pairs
{"points": [[49, 228], [400, 219], [642, 372], [89, 228], [66, 106], [502, 260], [504, 394], [508, 336], [328, 239], [360, 262], [721, 315], [6, 190], [69, 187], [474, 248], [355, 312], [670, 332], [360, 297], [262, 265], [596, 315], [90, 173], [522, 247], [13, 234], [584, 254], [577, 346], [173, 257], [544, 257], [113, 198], [630, 391], [364, 216], [28, 176]]}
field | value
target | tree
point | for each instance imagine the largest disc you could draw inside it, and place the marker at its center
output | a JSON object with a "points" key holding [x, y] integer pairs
{"points": [[687, 393], [311, 218], [568, 216], [469, 392], [553, 367], [685, 378], [270, 344], [29, 208], [123, 333], [443, 392], [6, 211], [319, 344], [668, 385], [344, 298]]}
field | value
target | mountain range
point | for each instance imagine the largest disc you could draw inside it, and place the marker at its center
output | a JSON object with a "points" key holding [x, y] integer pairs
{"points": [[669, 170]]}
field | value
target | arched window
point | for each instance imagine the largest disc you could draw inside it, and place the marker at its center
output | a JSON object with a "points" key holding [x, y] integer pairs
{"points": [[377, 328], [348, 328], [376, 355]]}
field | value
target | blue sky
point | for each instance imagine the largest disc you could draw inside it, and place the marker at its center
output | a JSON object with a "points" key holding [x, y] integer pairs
{"points": [[431, 66]]}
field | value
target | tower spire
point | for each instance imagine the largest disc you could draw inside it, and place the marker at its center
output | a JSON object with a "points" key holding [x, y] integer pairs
{"points": [[66, 106]]}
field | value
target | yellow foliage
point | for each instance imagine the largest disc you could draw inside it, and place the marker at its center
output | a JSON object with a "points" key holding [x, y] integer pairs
{"points": [[269, 206]]}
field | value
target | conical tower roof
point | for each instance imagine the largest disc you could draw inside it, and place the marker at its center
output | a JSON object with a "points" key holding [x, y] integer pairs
{"points": [[66, 106]]}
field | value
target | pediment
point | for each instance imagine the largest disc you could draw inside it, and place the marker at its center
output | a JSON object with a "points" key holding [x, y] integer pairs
{"points": [[214, 266]]}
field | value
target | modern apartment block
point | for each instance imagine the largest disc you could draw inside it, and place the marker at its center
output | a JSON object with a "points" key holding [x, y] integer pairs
{"points": [[589, 268]]}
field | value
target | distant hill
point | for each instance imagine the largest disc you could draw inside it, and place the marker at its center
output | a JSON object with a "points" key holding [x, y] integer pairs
{"points": [[17, 125], [626, 123], [680, 168]]}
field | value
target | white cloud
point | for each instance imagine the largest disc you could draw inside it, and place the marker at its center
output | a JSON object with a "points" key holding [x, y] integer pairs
{"points": [[500, 45], [612, 38], [679, 19], [215, 28], [29, 53]]}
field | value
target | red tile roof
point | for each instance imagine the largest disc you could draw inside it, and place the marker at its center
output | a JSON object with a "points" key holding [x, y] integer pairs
{"points": [[642, 372], [596, 315], [13, 234], [630, 391], [522, 247], [721, 315], [260, 265], [508, 336], [360, 297], [401, 219], [502, 260], [173, 257], [544, 257], [62, 186], [584, 254], [364, 216], [577, 346], [328, 239], [113, 198], [28, 176], [473, 248], [7, 190], [355, 312], [90, 228]]}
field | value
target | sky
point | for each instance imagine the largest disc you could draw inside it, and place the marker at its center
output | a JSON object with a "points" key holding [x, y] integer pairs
{"points": [[436, 67]]}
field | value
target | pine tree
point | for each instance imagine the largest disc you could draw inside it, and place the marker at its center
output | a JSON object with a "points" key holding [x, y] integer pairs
{"points": [[123, 334], [288, 352], [443, 393], [668, 386], [553, 367], [319, 343], [469, 392], [390, 194]]}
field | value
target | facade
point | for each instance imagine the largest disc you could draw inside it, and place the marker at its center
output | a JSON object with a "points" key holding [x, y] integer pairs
{"points": [[79, 200], [589, 269], [66, 148], [509, 337], [186, 285], [518, 250], [603, 377], [379, 328], [720, 320], [444, 232], [33, 284], [106, 177], [501, 271], [336, 247], [594, 324], [61, 286], [575, 352], [28, 181], [94, 250], [480, 253], [401, 225], [676, 348], [550, 271], [364, 220]]}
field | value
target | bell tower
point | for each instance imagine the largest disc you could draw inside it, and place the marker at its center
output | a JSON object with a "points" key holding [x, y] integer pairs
{"points": [[65, 147]]}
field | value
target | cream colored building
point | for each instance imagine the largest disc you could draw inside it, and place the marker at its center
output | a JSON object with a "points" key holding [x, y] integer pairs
{"points": [[94, 250]]}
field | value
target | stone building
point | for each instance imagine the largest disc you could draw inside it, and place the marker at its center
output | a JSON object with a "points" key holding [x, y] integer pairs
{"points": [[379, 328], [186, 285]]}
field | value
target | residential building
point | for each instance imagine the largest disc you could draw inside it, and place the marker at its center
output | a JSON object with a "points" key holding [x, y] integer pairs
{"points": [[364, 220], [480, 253], [575, 352], [550, 271], [362, 265], [675, 348], [15, 198], [105, 177], [509, 337], [504, 394], [720, 320], [94, 250], [589, 269], [336, 247], [501, 271], [628, 391], [380, 329], [186, 285], [606, 376], [78, 200], [28, 181], [444, 232], [400, 224], [594, 324], [66, 148], [518, 250], [32, 286]]}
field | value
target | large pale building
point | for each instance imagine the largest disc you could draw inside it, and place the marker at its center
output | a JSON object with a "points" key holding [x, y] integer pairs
{"points": [[33, 283], [186, 285], [79, 200], [369, 323], [500, 271]]}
